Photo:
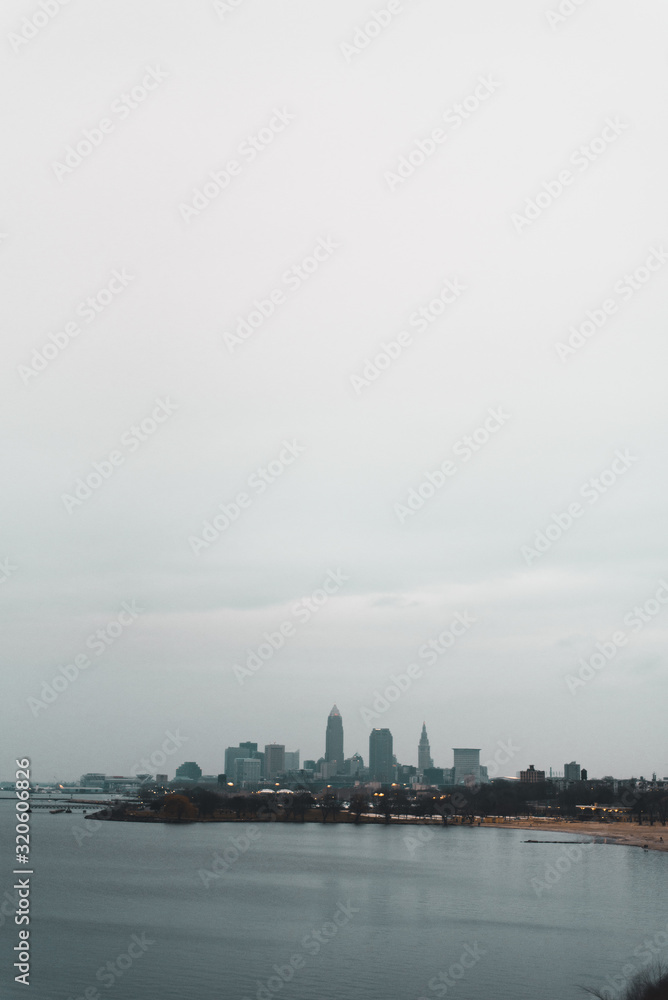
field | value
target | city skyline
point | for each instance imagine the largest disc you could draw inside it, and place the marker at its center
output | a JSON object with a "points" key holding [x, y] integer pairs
{"points": [[222, 761], [246, 761]]}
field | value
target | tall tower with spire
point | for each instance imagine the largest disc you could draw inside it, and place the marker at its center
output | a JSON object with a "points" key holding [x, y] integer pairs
{"points": [[334, 739], [424, 751]]}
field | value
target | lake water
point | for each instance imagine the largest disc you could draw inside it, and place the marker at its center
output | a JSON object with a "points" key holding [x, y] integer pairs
{"points": [[345, 912]]}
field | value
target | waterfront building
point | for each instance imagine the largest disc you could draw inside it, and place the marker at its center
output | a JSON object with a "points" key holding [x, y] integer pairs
{"points": [[93, 779]]}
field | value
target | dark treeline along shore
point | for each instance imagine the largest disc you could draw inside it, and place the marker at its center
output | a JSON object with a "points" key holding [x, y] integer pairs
{"points": [[472, 805]]}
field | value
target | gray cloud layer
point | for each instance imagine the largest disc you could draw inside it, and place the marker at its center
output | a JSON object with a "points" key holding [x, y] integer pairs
{"points": [[329, 128]]}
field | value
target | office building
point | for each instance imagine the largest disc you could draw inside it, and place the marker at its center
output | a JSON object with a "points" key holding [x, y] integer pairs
{"points": [[466, 765], [381, 767], [189, 770], [424, 751], [354, 765], [572, 771], [292, 760], [434, 775], [334, 739], [244, 751], [274, 760], [246, 769], [406, 774]]}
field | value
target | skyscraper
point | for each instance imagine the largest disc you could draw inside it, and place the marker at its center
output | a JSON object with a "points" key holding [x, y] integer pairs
{"points": [[274, 759], [334, 739], [380, 755], [424, 751], [467, 764]]}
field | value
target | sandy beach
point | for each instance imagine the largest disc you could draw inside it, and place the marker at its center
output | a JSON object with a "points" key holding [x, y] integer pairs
{"points": [[628, 834]]}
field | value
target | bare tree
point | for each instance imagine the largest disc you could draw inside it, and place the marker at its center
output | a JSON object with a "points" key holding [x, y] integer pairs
{"points": [[648, 984]]}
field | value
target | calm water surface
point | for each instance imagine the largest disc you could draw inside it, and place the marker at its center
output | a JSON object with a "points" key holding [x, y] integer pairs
{"points": [[412, 911]]}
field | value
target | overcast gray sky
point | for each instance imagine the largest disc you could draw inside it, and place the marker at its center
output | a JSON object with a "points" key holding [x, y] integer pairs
{"points": [[499, 166]]}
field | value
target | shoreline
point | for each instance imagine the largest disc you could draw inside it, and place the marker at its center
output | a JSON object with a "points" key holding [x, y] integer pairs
{"points": [[622, 834]]}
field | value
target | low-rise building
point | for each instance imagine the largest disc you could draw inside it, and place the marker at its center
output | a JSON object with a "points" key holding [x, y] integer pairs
{"points": [[532, 776]]}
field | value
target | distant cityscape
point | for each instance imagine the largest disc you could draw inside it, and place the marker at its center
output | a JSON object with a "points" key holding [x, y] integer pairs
{"points": [[249, 768]]}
